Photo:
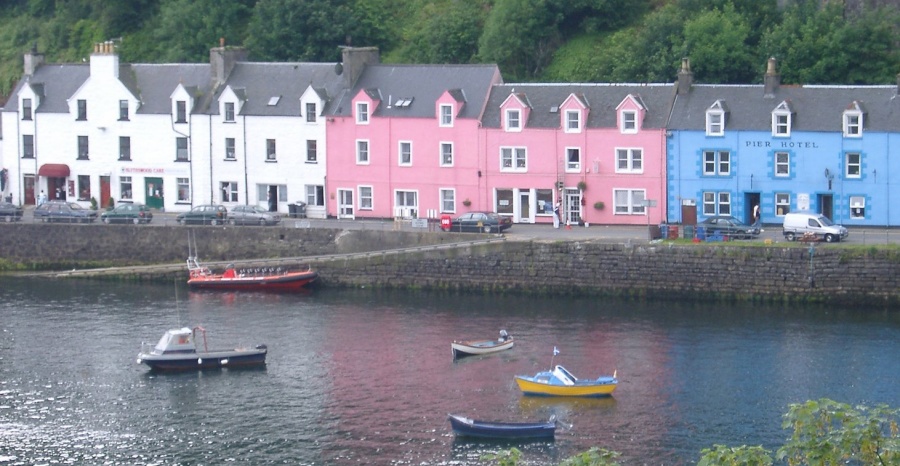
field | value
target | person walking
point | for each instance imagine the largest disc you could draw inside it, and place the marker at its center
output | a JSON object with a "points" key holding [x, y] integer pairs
{"points": [[556, 217], [756, 216], [42, 198]]}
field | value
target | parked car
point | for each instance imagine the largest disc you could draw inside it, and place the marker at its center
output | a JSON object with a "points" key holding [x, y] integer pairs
{"points": [[487, 222], [203, 214], [727, 225], [809, 226], [128, 213], [252, 215], [10, 212], [62, 211]]}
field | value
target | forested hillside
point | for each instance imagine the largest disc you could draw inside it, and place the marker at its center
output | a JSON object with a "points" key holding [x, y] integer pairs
{"points": [[728, 41]]}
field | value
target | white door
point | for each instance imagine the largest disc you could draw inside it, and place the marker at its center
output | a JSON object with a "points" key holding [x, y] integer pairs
{"points": [[526, 213], [572, 207], [345, 203]]}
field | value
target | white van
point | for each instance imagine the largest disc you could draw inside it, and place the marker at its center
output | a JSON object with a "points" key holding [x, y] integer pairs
{"points": [[809, 225]]}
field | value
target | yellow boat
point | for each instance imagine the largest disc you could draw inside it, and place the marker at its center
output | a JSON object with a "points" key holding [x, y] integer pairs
{"points": [[561, 382]]}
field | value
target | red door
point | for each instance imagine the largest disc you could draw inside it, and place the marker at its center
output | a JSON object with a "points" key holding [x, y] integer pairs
{"points": [[104, 192]]}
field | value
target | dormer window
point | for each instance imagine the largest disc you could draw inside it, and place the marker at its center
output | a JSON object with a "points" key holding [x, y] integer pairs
{"points": [[853, 124], [310, 112], [180, 111], [513, 119], [715, 120], [26, 109], [629, 121], [123, 110], [573, 121], [781, 121], [446, 115], [229, 111], [362, 113]]}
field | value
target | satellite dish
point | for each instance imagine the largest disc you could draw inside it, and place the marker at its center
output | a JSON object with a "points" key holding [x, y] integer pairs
{"points": [[338, 68]]}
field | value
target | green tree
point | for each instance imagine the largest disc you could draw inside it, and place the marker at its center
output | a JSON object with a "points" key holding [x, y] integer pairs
{"points": [[187, 29], [520, 36], [445, 32], [716, 42], [721, 455]]}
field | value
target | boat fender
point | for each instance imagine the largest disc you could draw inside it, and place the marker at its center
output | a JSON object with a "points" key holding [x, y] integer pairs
{"points": [[199, 360], [262, 347]]}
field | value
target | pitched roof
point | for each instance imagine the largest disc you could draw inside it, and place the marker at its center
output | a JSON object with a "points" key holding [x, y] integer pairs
{"points": [[262, 81], [816, 108], [423, 84], [603, 99], [59, 83]]}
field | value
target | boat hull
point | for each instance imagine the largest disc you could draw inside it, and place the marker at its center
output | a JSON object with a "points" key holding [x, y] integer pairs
{"points": [[465, 427], [463, 349], [200, 361], [580, 389], [292, 281]]}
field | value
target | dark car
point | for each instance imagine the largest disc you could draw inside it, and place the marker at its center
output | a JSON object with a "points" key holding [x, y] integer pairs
{"points": [[252, 215], [128, 213], [204, 214], [487, 222], [726, 225], [62, 211], [10, 212]]}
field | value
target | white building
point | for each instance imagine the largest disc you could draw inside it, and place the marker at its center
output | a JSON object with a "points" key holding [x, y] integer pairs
{"points": [[169, 135]]}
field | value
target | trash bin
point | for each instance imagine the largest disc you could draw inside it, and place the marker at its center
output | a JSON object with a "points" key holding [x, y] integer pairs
{"points": [[688, 232], [297, 210], [664, 231], [701, 233], [673, 231]]}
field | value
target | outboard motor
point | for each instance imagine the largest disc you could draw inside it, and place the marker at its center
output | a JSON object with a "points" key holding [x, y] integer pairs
{"points": [[503, 335]]}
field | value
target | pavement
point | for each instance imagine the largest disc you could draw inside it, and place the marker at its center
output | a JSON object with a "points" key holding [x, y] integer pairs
{"points": [[539, 232]]}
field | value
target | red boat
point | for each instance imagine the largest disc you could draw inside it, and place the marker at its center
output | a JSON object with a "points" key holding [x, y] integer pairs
{"points": [[250, 279]]}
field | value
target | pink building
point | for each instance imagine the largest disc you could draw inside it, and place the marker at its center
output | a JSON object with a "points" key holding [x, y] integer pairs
{"points": [[403, 140], [597, 149]]}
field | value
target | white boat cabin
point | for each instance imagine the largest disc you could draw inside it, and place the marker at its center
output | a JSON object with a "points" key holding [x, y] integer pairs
{"points": [[179, 340]]}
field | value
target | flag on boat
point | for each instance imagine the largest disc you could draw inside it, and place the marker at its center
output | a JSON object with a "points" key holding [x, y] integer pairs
{"points": [[555, 351]]}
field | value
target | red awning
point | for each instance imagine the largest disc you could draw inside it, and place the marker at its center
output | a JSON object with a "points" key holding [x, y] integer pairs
{"points": [[54, 170]]}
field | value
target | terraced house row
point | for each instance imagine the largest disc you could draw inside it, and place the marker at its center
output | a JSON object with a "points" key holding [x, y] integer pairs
{"points": [[362, 139]]}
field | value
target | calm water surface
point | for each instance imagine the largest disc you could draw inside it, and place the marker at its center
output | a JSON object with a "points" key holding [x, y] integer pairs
{"points": [[366, 377]]}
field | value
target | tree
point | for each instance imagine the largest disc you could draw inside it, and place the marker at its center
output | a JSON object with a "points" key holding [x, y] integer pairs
{"points": [[716, 42], [520, 36], [189, 28], [444, 33]]}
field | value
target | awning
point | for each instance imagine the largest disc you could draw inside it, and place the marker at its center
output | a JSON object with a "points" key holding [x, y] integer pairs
{"points": [[54, 170]]}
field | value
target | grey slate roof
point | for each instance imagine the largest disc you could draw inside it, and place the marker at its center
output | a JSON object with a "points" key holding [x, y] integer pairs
{"points": [[262, 81], [424, 84], [601, 98], [816, 108], [156, 82], [59, 83]]}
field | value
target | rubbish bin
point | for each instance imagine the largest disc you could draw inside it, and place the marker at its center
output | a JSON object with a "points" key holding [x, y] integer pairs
{"points": [[297, 210], [688, 232], [664, 231], [701, 233], [673, 231]]}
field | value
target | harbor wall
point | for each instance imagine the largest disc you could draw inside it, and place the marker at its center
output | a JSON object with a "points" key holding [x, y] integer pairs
{"points": [[729, 271]]}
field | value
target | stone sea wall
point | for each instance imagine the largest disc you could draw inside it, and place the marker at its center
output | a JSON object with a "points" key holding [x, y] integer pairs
{"points": [[724, 271]]}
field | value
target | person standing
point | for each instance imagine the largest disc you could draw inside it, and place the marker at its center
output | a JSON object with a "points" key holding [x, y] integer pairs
{"points": [[556, 217], [756, 216], [42, 198]]}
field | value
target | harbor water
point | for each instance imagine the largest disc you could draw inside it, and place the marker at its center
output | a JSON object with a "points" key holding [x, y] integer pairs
{"points": [[367, 377]]}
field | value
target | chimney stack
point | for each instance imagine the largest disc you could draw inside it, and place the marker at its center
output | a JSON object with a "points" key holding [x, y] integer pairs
{"points": [[772, 79], [33, 59], [685, 77], [354, 61], [222, 60], [104, 60]]}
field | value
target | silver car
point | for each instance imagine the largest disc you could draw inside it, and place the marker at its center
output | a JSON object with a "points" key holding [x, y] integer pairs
{"points": [[252, 215]]}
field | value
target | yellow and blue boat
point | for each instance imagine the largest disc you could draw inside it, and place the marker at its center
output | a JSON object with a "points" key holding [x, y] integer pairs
{"points": [[561, 382]]}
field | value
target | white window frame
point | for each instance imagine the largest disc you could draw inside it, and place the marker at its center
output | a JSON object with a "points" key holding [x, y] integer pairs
{"points": [[125, 188], [573, 121], [271, 150], [182, 153], [401, 199], [716, 203], [447, 198], [853, 168], [782, 167], [313, 114], [365, 197], [573, 167], [782, 204], [781, 124], [512, 118], [716, 163], [629, 155], [446, 115], [857, 207], [446, 153], [228, 111], [230, 149], [315, 194], [312, 151], [363, 156], [183, 189], [362, 113], [27, 109], [401, 153], [517, 158], [628, 121], [715, 123], [229, 191], [853, 124], [632, 204]]}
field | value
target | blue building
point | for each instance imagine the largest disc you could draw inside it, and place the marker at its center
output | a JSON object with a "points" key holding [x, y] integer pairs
{"points": [[833, 150]]}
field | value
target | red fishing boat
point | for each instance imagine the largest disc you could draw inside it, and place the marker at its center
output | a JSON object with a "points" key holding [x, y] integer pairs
{"points": [[248, 279]]}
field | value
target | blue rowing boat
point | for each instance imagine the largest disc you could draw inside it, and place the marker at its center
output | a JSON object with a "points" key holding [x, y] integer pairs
{"points": [[466, 427]]}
